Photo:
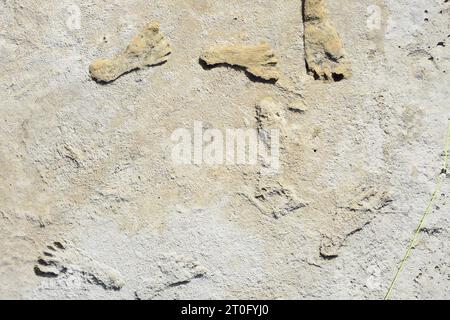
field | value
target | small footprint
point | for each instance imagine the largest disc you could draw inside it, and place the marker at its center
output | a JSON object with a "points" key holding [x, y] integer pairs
{"points": [[61, 258]]}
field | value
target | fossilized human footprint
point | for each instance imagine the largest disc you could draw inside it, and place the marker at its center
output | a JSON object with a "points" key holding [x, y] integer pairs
{"points": [[258, 60], [148, 48], [175, 270], [351, 216], [60, 258], [325, 56], [274, 199]]}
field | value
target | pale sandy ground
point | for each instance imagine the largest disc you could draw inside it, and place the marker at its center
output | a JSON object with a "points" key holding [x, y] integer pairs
{"points": [[89, 165]]}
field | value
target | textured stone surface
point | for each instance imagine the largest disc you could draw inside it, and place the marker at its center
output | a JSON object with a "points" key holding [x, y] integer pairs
{"points": [[90, 165]]}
